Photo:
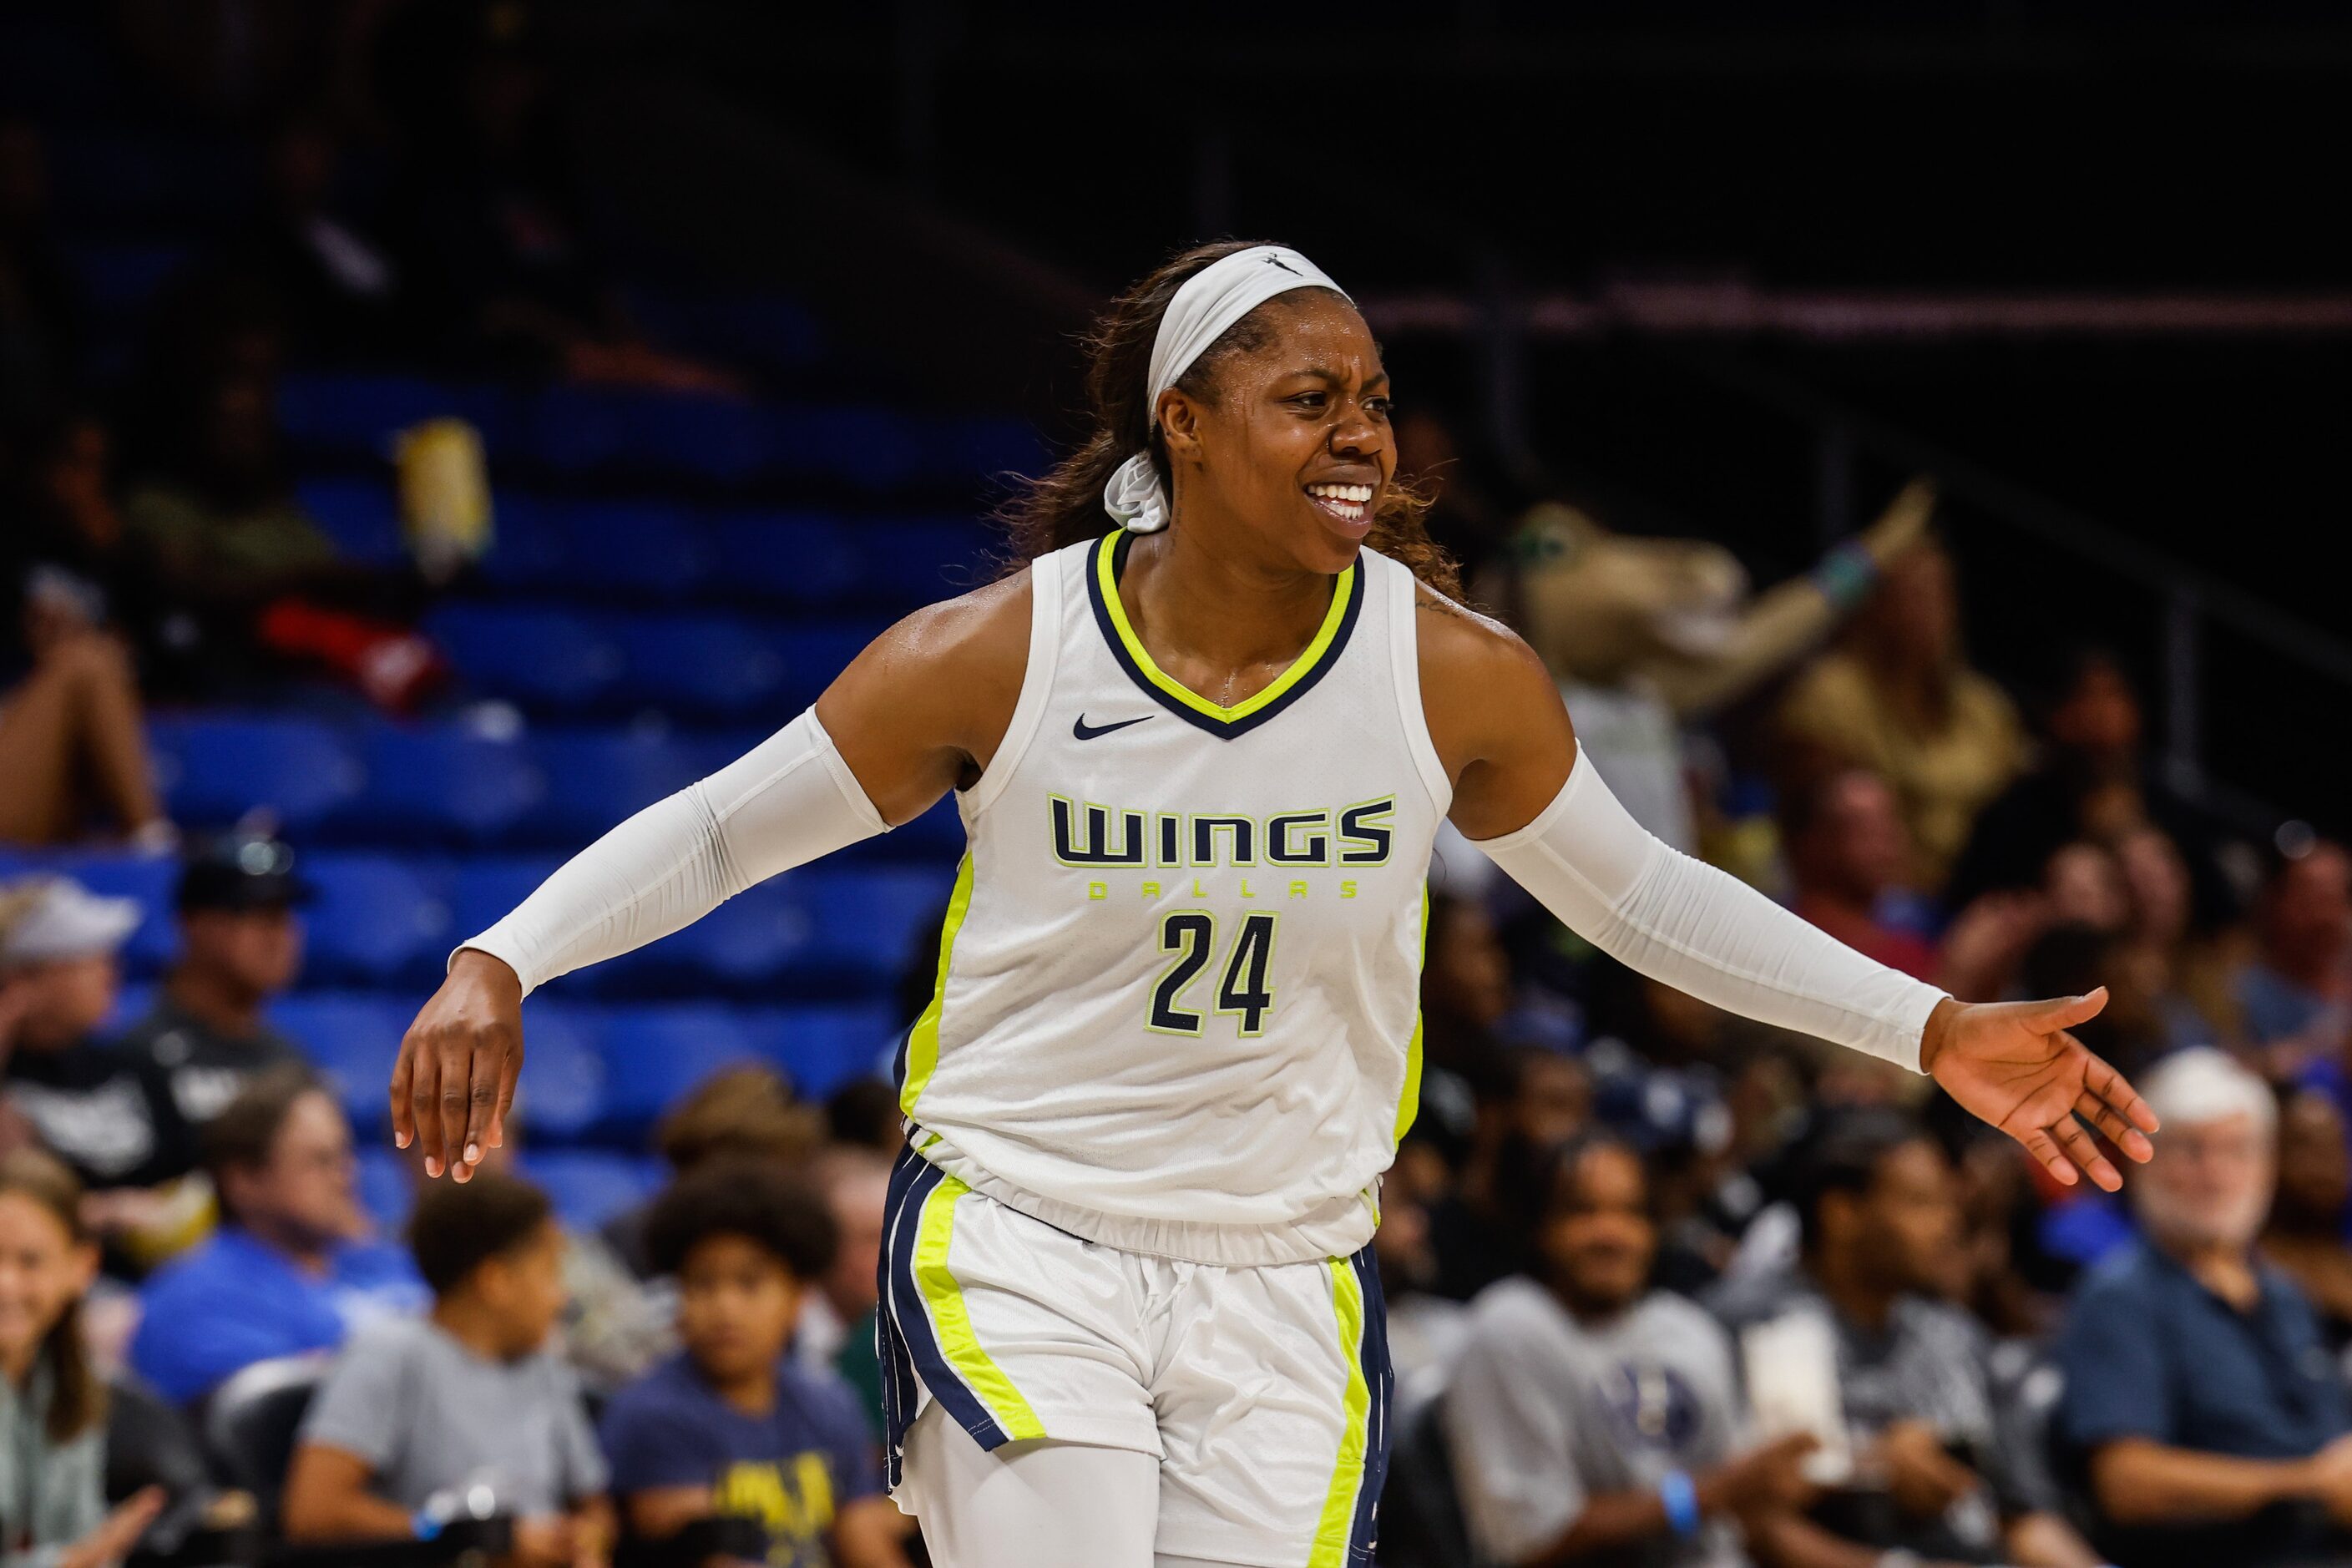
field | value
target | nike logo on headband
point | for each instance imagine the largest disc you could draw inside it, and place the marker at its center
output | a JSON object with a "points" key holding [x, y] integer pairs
{"points": [[1287, 266], [1086, 731]]}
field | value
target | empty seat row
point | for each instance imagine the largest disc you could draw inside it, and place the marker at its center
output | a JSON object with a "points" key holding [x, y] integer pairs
{"points": [[665, 550], [383, 920], [723, 440], [596, 1073], [378, 784]]}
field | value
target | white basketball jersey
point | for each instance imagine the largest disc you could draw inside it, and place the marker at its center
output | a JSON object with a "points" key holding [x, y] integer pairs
{"points": [[1178, 1007]]}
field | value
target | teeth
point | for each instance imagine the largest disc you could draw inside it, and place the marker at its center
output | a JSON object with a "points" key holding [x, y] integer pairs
{"points": [[1342, 492]]}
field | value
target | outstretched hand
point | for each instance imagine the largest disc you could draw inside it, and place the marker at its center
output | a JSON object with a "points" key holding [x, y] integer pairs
{"points": [[2017, 1065]]}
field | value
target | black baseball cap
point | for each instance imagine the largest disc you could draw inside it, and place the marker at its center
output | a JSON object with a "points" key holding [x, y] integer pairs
{"points": [[249, 871]]}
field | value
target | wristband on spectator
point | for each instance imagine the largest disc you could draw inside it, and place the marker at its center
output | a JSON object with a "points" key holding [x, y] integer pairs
{"points": [[1680, 1495], [425, 1524], [1846, 574]]}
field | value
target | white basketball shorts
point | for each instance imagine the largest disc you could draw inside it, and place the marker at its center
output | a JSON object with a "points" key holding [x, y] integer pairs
{"points": [[1263, 1392]]}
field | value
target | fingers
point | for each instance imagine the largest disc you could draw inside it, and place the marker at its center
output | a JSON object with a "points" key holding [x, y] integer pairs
{"points": [[2068, 1011], [2077, 1139], [485, 1079], [2117, 1091], [403, 1072], [424, 1104], [2039, 1144], [453, 1058], [2113, 1128]]}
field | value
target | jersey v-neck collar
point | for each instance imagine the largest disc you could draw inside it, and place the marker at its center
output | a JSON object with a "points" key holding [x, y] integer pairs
{"points": [[1225, 722]]}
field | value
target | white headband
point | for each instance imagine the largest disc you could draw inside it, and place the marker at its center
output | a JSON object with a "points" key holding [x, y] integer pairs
{"points": [[1204, 310]]}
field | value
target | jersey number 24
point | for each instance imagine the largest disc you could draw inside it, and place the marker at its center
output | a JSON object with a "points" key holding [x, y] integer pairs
{"points": [[1242, 990]]}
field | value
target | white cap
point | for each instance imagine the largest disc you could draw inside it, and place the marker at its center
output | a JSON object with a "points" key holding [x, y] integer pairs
{"points": [[65, 919]]}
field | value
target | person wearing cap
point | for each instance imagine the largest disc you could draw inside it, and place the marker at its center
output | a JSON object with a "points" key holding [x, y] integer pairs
{"points": [[106, 1113], [240, 945]]}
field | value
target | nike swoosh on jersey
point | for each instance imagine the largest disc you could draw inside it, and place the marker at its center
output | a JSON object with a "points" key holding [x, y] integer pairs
{"points": [[1086, 731]]}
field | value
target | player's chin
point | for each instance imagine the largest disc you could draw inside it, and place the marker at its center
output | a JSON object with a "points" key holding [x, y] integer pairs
{"points": [[1335, 540]]}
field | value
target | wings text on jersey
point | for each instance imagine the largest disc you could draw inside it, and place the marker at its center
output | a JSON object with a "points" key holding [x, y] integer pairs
{"points": [[1090, 835]]}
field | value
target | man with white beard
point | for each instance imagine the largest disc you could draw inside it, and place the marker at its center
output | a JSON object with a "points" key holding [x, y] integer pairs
{"points": [[2201, 1407]]}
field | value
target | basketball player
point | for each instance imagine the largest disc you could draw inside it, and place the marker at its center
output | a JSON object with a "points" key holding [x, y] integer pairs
{"points": [[1200, 745]]}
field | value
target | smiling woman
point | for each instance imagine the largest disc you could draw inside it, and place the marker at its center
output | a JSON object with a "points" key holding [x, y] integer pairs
{"points": [[1201, 740], [1123, 397]]}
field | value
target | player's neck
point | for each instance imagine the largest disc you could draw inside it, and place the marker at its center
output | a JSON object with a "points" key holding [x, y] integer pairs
{"points": [[1188, 596]]}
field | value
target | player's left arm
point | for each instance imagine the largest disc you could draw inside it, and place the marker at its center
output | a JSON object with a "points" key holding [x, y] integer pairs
{"points": [[1522, 793]]}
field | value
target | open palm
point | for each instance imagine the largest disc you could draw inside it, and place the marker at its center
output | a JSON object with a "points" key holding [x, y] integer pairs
{"points": [[2017, 1066]]}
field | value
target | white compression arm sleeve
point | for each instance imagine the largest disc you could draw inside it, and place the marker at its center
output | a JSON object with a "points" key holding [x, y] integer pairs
{"points": [[784, 804], [1682, 921]]}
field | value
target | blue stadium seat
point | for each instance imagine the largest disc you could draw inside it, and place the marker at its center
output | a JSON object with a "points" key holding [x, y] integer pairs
{"points": [[353, 1039], [871, 448], [359, 414], [596, 777], [579, 430], [642, 550], [867, 920], [796, 557], [543, 658], [387, 1189], [918, 560], [483, 888], [439, 783], [588, 1186], [972, 447], [811, 656], [713, 666], [747, 943], [378, 921], [361, 516], [214, 769], [820, 1048], [561, 1095], [656, 1053]]}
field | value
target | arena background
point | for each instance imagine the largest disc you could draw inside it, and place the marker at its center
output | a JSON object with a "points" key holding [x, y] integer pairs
{"points": [[1707, 272]]}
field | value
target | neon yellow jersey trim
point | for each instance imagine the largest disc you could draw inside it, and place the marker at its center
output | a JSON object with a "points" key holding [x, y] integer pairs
{"points": [[923, 1039], [1342, 589], [1337, 1522], [944, 1297], [1409, 1103]]}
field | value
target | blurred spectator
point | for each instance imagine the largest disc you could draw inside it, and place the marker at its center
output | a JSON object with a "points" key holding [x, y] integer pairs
{"points": [[2294, 996], [292, 1267], [72, 739], [1530, 1102], [1589, 1416], [40, 309], [2177, 970], [1882, 1257], [222, 519], [745, 1111], [836, 1328], [1900, 700], [1847, 857], [338, 287], [103, 1110], [53, 1511], [1465, 985], [2082, 885], [2093, 781], [240, 945], [736, 1426], [2307, 1233], [470, 1394], [2201, 1404]]}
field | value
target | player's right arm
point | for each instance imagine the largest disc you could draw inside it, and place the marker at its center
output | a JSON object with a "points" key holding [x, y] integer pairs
{"points": [[920, 712]]}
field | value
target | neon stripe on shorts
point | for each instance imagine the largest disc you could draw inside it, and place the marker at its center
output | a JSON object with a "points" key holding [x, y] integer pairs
{"points": [[1334, 1531], [944, 1298]]}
